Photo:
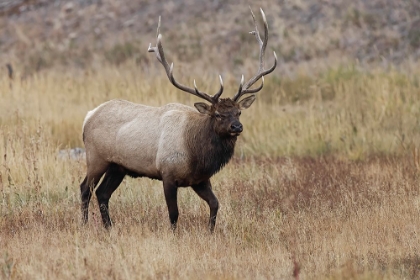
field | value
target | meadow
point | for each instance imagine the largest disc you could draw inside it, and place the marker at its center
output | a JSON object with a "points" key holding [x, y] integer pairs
{"points": [[324, 183]]}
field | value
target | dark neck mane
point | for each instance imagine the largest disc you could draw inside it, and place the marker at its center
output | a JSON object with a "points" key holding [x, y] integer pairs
{"points": [[208, 151]]}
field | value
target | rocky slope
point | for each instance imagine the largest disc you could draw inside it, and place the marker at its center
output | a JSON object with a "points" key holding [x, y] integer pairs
{"points": [[40, 34]]}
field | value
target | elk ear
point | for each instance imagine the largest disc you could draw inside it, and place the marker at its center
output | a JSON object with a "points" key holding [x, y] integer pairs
{"points": [[246, 102], [203, 108]]}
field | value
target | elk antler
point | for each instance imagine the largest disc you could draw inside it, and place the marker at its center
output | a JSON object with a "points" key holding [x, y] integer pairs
{"points": [[244, 89], [169, 72]]}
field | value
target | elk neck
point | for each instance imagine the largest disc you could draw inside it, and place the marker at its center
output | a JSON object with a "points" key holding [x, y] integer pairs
{"points": [[209, 152]]}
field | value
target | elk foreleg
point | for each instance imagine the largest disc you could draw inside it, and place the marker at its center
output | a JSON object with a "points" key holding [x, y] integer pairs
{"points": [[204, 190], [171, 191]]}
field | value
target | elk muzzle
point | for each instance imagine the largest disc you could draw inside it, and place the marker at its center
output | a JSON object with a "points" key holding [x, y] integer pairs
{"points": [[235, 128]]}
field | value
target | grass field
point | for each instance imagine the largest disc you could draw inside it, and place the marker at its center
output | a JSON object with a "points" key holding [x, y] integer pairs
{"points": [[324, 183]]}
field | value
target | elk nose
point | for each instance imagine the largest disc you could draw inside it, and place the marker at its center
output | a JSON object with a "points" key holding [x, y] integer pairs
{"points": [[236, 127]]}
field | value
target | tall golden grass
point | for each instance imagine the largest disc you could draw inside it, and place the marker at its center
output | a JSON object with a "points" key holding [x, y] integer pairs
{"points": [[323, 184]]}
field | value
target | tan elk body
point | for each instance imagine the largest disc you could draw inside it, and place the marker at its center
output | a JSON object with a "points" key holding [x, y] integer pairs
{"points": [[180, 145]]}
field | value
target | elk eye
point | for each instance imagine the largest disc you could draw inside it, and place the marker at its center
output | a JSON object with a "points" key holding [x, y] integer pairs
{"points": [[217, 115], [239, 113]]}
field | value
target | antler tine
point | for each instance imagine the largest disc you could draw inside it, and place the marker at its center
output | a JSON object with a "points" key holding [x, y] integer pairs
{"points": [[217, 95], [244, 89], [160, 55], [158, 28], [255, 90], [256, 33], [215, 98], [241, 84]]}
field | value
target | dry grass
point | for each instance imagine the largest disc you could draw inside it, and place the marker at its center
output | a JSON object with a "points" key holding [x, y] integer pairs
{"points": [[324, 183]]}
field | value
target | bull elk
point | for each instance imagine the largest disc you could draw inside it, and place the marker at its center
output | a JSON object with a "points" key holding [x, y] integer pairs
{"points": [[175, 143]]}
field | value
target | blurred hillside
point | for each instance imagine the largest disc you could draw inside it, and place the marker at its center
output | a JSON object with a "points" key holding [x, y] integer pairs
{"points": [[42, 34]]}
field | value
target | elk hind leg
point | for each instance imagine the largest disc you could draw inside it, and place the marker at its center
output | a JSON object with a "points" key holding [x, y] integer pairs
{"points": [[113, 178], [88, 185]]}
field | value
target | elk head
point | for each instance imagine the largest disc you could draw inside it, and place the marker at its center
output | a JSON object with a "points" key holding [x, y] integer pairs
{"points": [[224, 112]]}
